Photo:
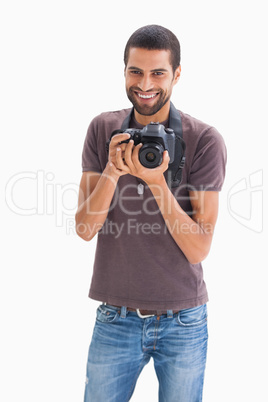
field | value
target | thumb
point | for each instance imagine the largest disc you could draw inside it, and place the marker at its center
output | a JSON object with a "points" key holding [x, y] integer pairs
{"points": [[166, 157]]}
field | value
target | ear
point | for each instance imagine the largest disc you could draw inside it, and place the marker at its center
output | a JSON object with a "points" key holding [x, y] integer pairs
{"points": [[177, 74]]}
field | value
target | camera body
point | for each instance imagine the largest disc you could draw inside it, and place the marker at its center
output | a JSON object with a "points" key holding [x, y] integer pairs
{"points": [[155, 139]]}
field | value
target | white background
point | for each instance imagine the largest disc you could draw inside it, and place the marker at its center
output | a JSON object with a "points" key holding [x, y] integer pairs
{"points": [[62, 64]]}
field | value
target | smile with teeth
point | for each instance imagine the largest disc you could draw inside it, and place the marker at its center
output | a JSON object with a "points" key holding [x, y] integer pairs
{"points": [[146, 96]]}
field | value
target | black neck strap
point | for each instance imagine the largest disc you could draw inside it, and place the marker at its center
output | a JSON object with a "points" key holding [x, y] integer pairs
{"points": [[175, 120]]}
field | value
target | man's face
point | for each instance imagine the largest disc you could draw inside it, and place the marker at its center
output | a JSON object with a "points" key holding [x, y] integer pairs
{"points": [[149, 79]]}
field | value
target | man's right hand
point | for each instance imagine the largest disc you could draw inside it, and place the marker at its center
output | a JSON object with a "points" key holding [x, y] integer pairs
{"points": [[117, 150]]}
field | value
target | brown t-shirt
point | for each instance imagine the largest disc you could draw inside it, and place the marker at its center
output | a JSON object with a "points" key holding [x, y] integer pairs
{"points": [[137, 262]]}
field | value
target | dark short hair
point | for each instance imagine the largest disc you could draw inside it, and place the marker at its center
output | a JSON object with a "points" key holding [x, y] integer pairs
{"points": [[155, 37]]}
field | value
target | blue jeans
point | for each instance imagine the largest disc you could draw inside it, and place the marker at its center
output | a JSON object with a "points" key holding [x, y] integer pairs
{"points": [[123, 343]]}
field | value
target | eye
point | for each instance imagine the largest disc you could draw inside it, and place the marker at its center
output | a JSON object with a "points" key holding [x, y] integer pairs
{"points": [[135, 72], [158, 73]]}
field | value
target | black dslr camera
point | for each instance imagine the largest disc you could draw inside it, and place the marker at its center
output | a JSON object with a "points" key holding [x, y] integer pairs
{"points": [[155, 139]]}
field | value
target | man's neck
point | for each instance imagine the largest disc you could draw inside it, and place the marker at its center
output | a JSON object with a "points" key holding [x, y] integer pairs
{"points": [[160, 116]]}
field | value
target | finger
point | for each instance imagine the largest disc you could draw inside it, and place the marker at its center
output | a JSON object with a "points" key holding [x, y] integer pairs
{"points": [[119, 161], [135, 155], [123, 146], [166, 157], [115, 170], [165, 161], [128, 154], [113, 146], [118, 138]]}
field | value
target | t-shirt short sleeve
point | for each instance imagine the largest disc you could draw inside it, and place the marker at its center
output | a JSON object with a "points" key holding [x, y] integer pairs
{"points": [[207, 170], [90, 158]]}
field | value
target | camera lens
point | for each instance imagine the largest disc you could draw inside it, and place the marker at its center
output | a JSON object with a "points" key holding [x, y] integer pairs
{"points": [[151, 154]]}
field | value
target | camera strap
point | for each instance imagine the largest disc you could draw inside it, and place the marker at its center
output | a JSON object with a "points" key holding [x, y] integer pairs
{"points": [[174, 172]]}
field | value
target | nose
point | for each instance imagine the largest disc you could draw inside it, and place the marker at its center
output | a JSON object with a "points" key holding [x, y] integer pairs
{"points": [[145, 82]]}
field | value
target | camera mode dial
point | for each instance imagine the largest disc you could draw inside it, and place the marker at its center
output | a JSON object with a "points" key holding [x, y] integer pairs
{"points": [[169, 130]]}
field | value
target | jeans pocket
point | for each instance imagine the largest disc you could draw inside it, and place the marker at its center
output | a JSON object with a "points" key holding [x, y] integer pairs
{"points": [[192, 317], [107, 314]]}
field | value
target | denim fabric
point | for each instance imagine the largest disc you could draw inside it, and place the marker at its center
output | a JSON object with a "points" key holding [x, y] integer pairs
{"points": [[123, 343]]}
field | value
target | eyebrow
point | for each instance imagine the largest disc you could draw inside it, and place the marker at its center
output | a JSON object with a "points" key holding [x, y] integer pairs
{"points": [[153, 71]]}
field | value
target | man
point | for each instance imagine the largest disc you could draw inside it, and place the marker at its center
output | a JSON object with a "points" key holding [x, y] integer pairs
{"points": [[154, 229]]}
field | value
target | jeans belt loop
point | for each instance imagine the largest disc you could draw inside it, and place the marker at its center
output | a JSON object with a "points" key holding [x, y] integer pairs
{"points": [[123, 312], [169, 313]]}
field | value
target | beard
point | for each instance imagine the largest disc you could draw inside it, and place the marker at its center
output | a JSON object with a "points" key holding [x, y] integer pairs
{"points": [[145, 110]]}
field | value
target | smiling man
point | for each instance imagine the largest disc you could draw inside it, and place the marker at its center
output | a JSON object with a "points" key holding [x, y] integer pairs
{"points": [[155, 223]]}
